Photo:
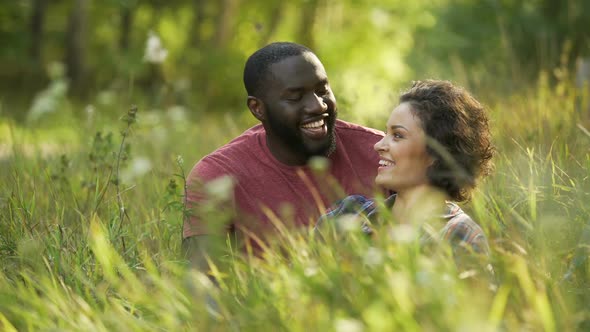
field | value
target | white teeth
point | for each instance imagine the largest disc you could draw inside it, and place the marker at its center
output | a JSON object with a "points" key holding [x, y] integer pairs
{"points": [[385, 163], [316, 124]]}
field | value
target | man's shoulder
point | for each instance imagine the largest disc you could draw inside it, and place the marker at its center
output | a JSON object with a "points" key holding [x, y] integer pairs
{"points": [[244, 141], [349, 128], [357, 140], [225, 158]]}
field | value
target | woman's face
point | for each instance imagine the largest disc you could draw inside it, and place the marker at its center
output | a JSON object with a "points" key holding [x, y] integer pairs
{"points": [[403, 157]]}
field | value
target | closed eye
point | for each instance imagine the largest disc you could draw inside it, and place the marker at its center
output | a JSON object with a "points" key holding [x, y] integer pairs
{"points": [[294, 97], [322, 92], [322, 89]]}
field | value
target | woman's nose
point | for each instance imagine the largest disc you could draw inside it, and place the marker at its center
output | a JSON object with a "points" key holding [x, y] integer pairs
{"points": [[379, 146]]}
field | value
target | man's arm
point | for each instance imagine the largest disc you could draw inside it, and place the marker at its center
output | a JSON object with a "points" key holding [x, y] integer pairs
{"points": [[200, 250], [194, 250], [208, 211]]}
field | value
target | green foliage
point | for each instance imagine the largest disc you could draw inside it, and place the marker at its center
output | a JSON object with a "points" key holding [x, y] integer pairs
{"points": [[81, 251], [91, 191], [501, 43], [370, 49]]}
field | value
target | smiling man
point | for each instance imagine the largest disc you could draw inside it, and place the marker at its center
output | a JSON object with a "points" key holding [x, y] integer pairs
{"points": [[289, 93]]}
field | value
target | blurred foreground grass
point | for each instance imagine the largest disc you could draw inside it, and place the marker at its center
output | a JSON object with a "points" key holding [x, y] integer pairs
{"points": [[71, 259]]}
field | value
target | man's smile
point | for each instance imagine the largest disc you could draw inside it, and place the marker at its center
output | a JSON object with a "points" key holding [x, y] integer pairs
{"points": [[315, 128], [315, 124]]}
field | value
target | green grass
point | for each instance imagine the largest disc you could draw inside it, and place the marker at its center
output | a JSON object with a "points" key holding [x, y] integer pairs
{"points": [[71, 260]]}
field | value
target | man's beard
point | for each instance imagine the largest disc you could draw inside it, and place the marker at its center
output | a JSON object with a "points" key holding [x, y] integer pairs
{"points": [[293, 138]]}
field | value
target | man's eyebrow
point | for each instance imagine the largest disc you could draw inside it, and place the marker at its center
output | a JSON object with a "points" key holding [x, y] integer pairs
{"points": [[323, 81], [294, 89]]}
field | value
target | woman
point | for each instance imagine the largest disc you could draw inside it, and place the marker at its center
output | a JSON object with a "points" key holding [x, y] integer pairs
{"points": [[437, 145]]}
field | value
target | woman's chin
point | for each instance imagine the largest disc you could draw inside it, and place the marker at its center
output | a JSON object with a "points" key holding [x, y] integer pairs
{"points": [[383, 184]]}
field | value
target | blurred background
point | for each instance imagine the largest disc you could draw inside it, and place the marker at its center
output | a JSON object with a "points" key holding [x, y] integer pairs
{"points": [[188, 55], [91, 189]]}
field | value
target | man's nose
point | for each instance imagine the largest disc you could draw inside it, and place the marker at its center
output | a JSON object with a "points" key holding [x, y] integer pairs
{"points": [[316, 104]]}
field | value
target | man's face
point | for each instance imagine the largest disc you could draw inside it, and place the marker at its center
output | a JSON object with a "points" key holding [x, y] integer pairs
{"points": [[300, 107]]}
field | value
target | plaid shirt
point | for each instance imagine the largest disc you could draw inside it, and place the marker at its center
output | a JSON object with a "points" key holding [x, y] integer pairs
{"points": [[459, 230]]}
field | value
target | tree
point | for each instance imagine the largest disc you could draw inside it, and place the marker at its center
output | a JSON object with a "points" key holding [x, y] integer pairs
{"points": [[126, 19], [75, 42], [198, 18], [225, 22], [308, 16], [37, 23], [276, 15]]}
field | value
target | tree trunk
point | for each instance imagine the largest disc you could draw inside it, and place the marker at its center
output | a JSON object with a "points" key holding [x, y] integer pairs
{"points": [[308, 16], [198, 18], [551, 48], [275, 18], [37, 23], [225, 22], [76, 36], [126, 23]]}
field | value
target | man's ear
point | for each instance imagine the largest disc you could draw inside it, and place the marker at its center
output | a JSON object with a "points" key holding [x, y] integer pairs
{"points": [[256, 107]]}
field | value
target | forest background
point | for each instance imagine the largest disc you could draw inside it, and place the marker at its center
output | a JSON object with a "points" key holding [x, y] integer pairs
{"points": [[91, 206]]}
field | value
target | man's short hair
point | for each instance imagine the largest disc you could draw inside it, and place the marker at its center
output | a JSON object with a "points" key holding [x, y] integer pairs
{"points": [[258, 64]]}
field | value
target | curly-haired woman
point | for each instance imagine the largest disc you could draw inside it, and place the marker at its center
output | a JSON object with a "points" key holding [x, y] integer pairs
{"points": [[437, 145]]}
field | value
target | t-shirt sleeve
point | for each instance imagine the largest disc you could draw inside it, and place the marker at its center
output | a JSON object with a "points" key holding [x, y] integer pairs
{"points": [[209, 201], [357, 160]]}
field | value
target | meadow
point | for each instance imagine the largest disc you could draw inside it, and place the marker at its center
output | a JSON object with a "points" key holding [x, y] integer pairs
{"points": [[91, 217]]}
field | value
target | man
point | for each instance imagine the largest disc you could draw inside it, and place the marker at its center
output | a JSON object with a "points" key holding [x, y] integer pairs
{"points": [[289, 93]]}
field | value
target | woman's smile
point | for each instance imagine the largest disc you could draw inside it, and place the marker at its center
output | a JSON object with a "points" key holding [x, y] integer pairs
{"points": [[385, 164], [404, 159]]}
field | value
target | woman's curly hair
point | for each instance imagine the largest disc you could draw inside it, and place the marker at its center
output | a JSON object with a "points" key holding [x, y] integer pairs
{"points": [[458, 136]]}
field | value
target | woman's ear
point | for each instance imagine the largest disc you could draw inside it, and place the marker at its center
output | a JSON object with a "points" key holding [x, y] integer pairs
{"points": [[256, 107], [431, 160], [434, 150]]}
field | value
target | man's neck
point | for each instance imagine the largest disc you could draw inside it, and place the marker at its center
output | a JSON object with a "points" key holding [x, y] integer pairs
{"points": [[284, 154]]}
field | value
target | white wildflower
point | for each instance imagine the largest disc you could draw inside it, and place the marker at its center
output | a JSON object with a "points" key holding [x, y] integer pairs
{"points": [[348, 223], [220, 189], [311, 271], [177, 114], [373, 257], [50, 99], [154, 50], [403, 233], [90, 111], [159, 134], [348, 325], [138, 167], [319, 164], [380, 18]]}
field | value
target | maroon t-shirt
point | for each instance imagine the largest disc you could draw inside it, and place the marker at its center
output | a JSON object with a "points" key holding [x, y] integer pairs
{"points": [[266, 190]]}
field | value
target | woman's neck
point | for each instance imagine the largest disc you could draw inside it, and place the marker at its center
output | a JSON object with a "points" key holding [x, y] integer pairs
{"points": [[418, 204]]}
